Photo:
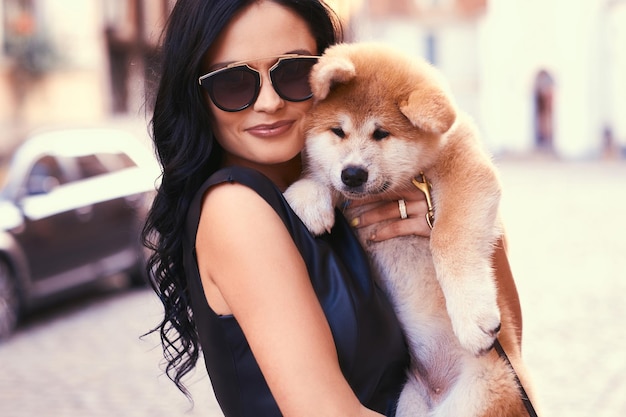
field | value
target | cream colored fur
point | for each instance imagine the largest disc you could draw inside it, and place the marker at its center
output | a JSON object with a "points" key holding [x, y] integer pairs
{"points": [[381, 115]]}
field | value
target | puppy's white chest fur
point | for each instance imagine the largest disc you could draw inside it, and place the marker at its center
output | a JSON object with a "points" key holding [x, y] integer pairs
{"points": [[405, 270]]}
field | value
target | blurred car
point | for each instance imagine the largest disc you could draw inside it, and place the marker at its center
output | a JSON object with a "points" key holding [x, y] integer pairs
{"points": [[72, 204]]}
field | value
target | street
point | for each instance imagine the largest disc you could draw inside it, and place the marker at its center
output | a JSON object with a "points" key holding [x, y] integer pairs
{"points": [[565, 224]]}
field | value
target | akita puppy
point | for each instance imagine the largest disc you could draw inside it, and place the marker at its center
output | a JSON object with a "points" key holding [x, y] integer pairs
{"points": [[380, 119]]}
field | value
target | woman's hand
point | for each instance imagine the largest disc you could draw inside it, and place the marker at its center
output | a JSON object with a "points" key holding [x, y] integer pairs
{"points": [[372, 210]]}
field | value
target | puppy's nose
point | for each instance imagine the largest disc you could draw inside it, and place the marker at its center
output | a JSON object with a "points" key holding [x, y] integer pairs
{"points": [[354, 176]]}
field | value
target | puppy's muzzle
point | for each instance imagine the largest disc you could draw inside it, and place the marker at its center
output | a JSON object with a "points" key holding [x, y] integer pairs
{"points": [[354, 176]]}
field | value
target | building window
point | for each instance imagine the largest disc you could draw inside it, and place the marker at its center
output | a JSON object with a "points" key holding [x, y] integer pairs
{"points": [[25, 40], [544, 111], [19, 25], [431, 48]]}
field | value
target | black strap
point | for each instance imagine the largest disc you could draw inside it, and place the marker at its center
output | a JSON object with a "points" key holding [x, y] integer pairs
{"points": [[525, 399]]}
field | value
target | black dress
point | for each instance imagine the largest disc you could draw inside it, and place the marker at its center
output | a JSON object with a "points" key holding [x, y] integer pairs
{"points": [[372, 352]]}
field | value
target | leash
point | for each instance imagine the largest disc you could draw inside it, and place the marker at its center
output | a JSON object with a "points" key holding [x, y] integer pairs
{"points": [[529, 406]]}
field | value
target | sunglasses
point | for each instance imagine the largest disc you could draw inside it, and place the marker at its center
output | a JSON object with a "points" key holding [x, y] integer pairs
{"points": [[236, 86]]}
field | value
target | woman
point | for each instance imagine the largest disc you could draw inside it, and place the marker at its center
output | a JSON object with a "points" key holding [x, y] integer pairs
{"points": [[288, 324]]}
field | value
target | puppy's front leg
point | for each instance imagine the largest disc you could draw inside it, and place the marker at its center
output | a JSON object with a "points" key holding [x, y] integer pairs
{"points": [[314, 203], [462, 243]]}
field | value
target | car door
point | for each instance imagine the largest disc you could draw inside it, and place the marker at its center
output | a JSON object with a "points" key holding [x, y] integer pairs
{"points": [[53, 231], [113, 227]]}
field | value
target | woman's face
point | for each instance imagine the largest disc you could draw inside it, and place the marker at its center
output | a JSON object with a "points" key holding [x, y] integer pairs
{"points": [[270, 131]]}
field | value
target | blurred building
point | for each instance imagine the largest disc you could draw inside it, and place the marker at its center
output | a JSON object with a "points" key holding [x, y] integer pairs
{"points": [[535, 74], [75, 61]]}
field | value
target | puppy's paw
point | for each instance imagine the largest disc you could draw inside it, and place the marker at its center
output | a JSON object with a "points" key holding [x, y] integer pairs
{"points": [[313, 204], [317, 222], [475, 317]]}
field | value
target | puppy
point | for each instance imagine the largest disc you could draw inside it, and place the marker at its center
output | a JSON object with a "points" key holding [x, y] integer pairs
{"points": [[380, 119]]}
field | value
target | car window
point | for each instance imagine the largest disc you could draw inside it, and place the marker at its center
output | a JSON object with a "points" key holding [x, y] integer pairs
{"points": [[116, 161], [102, 163], [44, 175], [90, 166]]}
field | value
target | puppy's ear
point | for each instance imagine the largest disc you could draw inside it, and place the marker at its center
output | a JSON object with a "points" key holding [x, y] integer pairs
{"points": [[429, 109], [330, 70]]}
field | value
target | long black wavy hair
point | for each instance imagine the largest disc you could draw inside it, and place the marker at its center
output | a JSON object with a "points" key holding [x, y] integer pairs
{"points": [[188, 153]]}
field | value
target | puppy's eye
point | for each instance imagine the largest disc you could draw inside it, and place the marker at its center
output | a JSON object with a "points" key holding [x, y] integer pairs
{"points": [[380, 134], [339, 132]]}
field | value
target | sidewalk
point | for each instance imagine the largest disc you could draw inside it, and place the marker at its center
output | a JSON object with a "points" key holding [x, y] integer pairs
{"points": [[566, 226]]}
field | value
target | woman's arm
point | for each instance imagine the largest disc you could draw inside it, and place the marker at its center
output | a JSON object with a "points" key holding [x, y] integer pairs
{"points": [[250, 267]]}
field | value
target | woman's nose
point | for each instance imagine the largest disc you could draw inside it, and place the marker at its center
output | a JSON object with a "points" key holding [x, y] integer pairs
{"points": [[268, 100]]}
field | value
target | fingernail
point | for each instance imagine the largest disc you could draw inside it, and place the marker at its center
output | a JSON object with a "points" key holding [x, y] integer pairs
{"points": [[355, 222], [372, 238]]}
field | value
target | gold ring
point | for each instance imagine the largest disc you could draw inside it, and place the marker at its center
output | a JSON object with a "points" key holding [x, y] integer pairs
{"points": [[402, 208]]}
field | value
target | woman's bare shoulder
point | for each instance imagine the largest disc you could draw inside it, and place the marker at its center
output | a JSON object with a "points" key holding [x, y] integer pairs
{"points": [[233, 254], [234, 205]]}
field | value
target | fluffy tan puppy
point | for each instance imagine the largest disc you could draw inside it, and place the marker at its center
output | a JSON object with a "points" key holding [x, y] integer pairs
{"points": [[379, 119]]}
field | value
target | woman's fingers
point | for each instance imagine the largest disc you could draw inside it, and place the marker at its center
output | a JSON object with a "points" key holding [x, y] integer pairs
{"points": [[409, 194], [376, 213], [414, 224], [389, 210], [405, 215]]}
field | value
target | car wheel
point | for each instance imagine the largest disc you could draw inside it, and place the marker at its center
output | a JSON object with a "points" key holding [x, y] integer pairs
{"points": [[9, 300]]}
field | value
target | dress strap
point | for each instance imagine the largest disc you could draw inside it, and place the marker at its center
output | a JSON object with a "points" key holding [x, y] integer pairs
{"points": [[250, 178]]}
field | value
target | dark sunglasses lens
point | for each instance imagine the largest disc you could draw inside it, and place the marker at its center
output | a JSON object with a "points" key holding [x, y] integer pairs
{"points": [[233, 89], [291, 78]]}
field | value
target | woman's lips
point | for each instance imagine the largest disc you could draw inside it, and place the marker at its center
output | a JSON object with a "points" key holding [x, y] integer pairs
{"points": [[269, 130]]}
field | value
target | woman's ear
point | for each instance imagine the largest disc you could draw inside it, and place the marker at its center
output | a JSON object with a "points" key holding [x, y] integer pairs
{"points": [[330, 70], [430, 109]]}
